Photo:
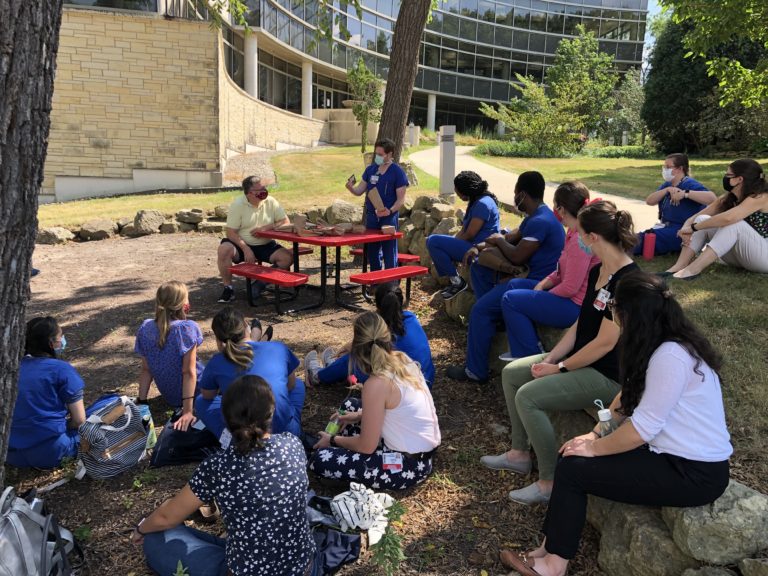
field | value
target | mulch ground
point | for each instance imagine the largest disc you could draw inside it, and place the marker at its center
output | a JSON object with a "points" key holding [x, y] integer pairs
{"points": [[456, 522]]}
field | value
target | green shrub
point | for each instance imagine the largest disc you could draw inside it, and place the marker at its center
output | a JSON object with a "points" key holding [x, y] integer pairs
{"points": [[622, 152], [509, 149]]}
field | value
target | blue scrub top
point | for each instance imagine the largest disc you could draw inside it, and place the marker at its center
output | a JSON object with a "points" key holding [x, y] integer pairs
{"points": [[677, 215], [415, 344], [543, 227], [46, 387], [486, 210], [387, 185], [274, 362]]}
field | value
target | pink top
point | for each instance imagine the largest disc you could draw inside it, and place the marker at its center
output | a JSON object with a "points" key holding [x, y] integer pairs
{"points": [[412, 425], [572, 273]]}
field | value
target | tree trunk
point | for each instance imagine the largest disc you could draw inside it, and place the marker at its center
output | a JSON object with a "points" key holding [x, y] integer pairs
{"points": [[29, 39], [403, 66]]}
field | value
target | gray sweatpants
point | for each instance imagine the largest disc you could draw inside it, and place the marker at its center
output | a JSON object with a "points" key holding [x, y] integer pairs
{"points": [[737, 244]]}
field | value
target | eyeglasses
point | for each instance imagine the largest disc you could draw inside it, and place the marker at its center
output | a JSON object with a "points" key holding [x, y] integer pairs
{"points": [[730, 175]]}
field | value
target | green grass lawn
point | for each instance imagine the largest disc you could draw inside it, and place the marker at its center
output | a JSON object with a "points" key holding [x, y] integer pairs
{"points": [[304, 179], [621, 176]]}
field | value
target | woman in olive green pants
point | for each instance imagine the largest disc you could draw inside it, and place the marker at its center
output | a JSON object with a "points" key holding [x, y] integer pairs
{"points": [[581, 368]]}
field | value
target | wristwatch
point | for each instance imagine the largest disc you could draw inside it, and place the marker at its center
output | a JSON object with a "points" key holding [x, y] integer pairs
{"points": [[561, 367], [693, 226], [332, 441]]}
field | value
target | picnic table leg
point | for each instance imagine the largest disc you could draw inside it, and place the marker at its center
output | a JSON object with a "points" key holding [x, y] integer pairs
{"points": [[296, 257], [337, 286], [249, 295], [407, 292]]}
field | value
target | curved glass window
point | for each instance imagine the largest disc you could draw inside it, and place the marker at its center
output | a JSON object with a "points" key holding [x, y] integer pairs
{"points": [[139, 5]]}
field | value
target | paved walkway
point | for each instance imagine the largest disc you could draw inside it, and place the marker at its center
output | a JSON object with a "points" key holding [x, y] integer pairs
{"points": [[502, 183]]}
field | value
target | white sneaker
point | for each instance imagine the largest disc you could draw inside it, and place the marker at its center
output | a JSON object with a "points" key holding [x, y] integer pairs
{"points": [[328, 356], [311, 367], [507, 357]]}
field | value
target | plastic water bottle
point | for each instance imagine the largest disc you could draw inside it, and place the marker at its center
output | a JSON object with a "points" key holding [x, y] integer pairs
{"points": [[149, 425], [649, 244], [606, 423], [334, 426]]}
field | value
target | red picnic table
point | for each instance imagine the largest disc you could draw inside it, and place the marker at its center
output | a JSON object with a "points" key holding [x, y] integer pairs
{"points": [[324, 242]]}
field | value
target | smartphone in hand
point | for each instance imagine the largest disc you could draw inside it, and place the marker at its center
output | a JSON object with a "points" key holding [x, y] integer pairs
{"points": [[352, 180]]}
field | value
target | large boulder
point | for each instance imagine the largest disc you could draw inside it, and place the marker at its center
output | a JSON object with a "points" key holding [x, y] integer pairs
{"points": [[733, 527], [754, 566], [129, 231], [147, 222], [425, 203], [460, 306], [221, 211], [343, 211], [315, 213], [418, 245], [709, 571], [211, 227], [187, 227], [429, 226], [419, 218], [169, 227], [403, 243], [440, 211], [124, 221], [99, 229], [190, 216], [54, 235], [446, 226], [405, 209]]}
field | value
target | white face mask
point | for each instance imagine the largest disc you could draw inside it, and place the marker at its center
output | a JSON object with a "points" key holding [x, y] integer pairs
{"points": [[666, 173]]}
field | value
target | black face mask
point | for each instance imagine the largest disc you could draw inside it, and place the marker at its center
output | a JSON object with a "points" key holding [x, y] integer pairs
{"points": [[727, 186]]}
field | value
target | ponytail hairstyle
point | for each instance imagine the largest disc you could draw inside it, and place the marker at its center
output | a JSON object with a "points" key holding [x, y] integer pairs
{"points": [[372, 352], [754, 182], [41, 333], [649, 315], [389, 305], [247, 407], [615, 226], [571, 197], [680, 160], [229, 327], [169, 306], [470, 185]]}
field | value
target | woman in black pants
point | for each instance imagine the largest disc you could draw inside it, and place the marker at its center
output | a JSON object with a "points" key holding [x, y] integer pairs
{"points": [[672, 445]]}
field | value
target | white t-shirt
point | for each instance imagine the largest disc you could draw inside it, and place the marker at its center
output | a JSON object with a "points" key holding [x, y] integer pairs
{"points": [[681, 412]]}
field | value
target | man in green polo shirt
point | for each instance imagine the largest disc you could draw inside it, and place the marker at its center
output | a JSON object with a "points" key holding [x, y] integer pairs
{"points": [[255, 211]]}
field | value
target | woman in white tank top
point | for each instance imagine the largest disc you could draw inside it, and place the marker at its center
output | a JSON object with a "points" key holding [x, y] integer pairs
{"points": [[390, 444]]}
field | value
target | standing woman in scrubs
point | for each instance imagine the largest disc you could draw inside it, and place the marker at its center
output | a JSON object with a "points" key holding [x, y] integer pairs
{"points": [[49, 407], [390, 181]]}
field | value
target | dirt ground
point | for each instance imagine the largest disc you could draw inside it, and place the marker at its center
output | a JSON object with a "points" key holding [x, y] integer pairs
{"points": [[101, 291]]}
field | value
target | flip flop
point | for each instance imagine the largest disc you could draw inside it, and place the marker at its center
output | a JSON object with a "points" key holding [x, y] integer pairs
{"points": [[518, 562]]}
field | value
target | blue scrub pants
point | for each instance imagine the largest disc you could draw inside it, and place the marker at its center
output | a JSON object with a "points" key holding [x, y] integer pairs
{"points": [[445, 250], [47, 454], [522, 309], [338, 370], [376, 251], [209, 411], [482, 322], [666, 241], [202, 554]]}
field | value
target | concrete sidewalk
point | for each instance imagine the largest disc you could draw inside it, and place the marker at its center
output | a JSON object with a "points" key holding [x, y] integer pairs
{"points": [[502, 183]]}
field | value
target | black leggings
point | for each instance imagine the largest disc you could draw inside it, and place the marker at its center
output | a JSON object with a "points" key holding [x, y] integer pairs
{"points": [[635, 477]]}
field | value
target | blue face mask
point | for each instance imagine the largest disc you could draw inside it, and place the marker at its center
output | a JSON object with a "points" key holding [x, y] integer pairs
{"points": [[378, 159], [63, 345], [586, 249]]}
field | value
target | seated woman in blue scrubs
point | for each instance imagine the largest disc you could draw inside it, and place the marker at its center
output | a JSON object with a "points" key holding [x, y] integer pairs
{"points": [[390, 181], [49, 406], [238, 356], [678, 198], [480, 221], [407, 336]]}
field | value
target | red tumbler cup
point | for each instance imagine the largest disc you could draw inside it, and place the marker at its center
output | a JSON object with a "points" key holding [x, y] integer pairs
{"points": [[649, 244]]}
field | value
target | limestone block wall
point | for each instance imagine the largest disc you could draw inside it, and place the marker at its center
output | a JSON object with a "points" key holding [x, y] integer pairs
{"points": [[247, 121], [132, 92]]}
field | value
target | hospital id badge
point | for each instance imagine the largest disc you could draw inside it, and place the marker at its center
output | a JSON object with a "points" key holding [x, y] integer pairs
{"points": [[393, 462], [601, 301], [374, 179]]}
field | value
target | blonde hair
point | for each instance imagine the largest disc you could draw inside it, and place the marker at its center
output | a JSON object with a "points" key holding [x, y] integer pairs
{"points": [[229, 327], [372, 352], [169, 306]]}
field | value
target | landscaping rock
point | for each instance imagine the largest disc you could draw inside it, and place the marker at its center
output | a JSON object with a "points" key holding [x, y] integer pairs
{"points": [[98, 229], [754, 567], [124, 221], [418, 245], [169, 228], [460, 214], [429, 226], [404, 242], [221, 211], [405, 209], [425, 203], [709, 571], [211, 227], [343, 211], [187, 227], [147, 222], [54, 235], [129, 231], [419, 218], [440, 211], [445, 226], [190, 216], [460, 306], [733, 527], [315, 213]]}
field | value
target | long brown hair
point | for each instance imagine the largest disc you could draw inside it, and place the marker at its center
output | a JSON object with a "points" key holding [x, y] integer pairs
{"points": [[248, 406], [615, 226], [229, 327], [169, 306], [753, 185]]}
